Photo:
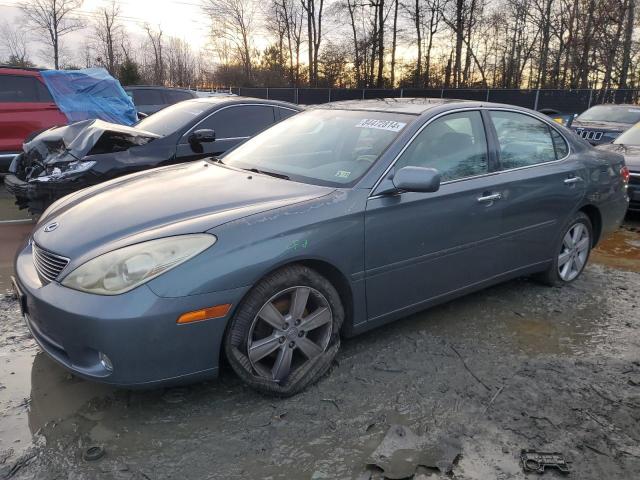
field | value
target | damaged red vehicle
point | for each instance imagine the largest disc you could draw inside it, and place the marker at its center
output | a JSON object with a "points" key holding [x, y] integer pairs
{"points": [[26, 106], [66, 159]]}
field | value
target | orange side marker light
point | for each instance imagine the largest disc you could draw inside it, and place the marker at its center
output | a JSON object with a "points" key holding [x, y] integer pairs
{"points": [[218, 311]]}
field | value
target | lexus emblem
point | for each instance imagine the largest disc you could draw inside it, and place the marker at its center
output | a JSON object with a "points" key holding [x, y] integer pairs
{"points": [[51, 227]]}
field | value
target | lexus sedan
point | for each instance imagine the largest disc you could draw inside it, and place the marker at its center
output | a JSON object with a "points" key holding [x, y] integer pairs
{"points": [[62, 160], [337, 220]]}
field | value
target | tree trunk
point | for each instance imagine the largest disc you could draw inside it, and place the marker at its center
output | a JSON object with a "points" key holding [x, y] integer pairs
{"points": [[393, 45], [626, 47]]}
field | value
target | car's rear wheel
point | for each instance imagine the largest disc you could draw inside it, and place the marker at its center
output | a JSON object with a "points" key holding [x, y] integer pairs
{"points": [[285, 333], [572, 253]]}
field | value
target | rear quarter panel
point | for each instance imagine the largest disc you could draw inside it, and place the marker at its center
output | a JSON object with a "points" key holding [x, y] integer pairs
{"points": [[605, 188]]}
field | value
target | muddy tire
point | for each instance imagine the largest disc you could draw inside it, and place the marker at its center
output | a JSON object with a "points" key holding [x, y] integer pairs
{"points": [[286, 332], [571, 252]]}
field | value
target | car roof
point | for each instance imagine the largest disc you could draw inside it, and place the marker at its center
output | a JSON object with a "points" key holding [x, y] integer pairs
{"points": [[158, 87], [621, 105], [235, 99], [24, 71], [411, 106]]}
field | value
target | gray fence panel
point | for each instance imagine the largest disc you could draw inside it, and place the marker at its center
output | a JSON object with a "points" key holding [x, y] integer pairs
{"points": [[253, 92], [338, 94], [465, 93], [381, 93], [313, 96], [521, 98], [565, 101], [421, 92], [283, 94]]}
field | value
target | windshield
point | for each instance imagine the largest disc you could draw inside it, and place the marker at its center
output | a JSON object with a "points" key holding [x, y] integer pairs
{"points": [[173, 118], [611, 113], [630, 137], [324, 147]]}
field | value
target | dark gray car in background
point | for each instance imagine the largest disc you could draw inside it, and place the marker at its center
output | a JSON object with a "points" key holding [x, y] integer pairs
{"points": [[337, 220], [149, 99], [602, 124]]}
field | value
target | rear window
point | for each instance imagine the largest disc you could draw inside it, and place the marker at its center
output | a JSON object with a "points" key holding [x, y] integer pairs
{"points": [[173, 118], [175, 96], [147, 96], [16, 88]]}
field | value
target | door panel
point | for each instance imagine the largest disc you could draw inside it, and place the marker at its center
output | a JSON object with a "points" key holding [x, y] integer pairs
{"points": [[537, 203], [540, 191], [423, 245]]}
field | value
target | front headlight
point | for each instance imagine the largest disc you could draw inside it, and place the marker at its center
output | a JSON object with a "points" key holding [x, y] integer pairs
{"points": [[72, 168], [122, 270]]}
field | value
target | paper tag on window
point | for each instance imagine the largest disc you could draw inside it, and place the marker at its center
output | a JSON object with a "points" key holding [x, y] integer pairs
{"points": [[343, 174], [381, 124]]}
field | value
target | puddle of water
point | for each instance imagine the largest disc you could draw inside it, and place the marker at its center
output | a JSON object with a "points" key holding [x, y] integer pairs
{"points": [[621, 249], [8, 208], [36, 392], [12, 236]]}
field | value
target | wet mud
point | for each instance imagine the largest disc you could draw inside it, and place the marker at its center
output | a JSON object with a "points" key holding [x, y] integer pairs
{"points": [[516, 366]]}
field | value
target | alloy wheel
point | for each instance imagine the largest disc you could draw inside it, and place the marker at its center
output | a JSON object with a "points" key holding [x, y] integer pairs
{"points": [[291, 328], [574, 252]]}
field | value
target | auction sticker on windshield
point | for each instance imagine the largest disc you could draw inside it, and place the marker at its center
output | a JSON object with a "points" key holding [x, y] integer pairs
{"points": [[381, 124]]}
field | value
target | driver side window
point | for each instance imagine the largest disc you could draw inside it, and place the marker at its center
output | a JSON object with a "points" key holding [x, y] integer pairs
{"points": [[454, 144]]}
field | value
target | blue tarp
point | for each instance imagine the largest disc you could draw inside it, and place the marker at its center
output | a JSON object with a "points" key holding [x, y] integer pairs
{"points": [[90, 93]]}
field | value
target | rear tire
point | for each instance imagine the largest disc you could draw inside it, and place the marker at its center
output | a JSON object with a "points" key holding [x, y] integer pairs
{"points": [[571, 253], [286, 332]]}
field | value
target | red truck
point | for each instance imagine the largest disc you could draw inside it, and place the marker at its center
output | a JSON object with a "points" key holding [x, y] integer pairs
{"points": [[26, 106]]}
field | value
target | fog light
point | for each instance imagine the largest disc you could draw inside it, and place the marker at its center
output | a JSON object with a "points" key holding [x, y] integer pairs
{"points": [[105, 361]]}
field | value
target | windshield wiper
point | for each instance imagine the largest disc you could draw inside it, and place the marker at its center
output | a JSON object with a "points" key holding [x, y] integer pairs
{"points": [[215, 159], [271, 174]]}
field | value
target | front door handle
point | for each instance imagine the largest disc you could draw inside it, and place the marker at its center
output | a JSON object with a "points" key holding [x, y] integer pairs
{"points": [[572, 180], [490, 198]]}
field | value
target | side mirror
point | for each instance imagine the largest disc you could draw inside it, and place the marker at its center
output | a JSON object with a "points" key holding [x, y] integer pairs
{"points": [[202, 136], [417, 179], [142, 115]]}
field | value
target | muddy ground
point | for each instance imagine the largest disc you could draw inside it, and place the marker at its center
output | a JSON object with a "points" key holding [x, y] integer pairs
{"points": [[516, 366]]}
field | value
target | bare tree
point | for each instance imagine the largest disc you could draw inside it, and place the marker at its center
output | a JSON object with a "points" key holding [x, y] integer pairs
{"points": [[157, 45], [15, 40], [313, 10], [233, 23], [53, 19], [108, 34]]}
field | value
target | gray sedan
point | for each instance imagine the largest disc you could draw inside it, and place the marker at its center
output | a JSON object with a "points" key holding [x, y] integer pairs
{"points": [[335, 221]]}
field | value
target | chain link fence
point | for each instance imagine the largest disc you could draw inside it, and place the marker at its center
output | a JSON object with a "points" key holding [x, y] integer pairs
{"points": [[544, 100]]}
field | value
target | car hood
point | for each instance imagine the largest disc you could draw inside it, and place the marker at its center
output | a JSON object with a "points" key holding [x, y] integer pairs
{"points": [[608, 126], [631, 154], [57, 153], [179, 199], [72, 142]]}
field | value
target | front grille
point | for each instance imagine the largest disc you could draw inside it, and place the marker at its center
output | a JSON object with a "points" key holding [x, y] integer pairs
{"points": [[48, 265], [589, 134]]}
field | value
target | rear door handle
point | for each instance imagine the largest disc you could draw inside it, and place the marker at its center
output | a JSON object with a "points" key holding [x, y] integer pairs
{"points": [[572, 180], [490, 198]]}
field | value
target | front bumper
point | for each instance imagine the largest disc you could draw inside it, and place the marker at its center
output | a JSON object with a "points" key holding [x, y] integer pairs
{"points": [[137, 331]]}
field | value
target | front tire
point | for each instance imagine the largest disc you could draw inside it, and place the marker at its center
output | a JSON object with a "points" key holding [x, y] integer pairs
{"points": [[286, 332], [572, 252]]}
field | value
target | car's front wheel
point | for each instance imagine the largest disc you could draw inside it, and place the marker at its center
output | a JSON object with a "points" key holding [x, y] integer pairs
{"points": [[286, 332], [572, 253]]}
